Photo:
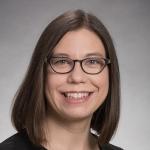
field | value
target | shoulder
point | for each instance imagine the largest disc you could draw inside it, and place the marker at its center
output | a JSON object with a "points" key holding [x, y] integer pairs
{"points": [[16, 142], [110, 147]]}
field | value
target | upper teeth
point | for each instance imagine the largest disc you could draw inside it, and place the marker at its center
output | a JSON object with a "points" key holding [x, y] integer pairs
{"points": [[77, 95]]}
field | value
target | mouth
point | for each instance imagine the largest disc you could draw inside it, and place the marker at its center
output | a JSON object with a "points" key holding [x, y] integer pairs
{"points": [[77, 97]]}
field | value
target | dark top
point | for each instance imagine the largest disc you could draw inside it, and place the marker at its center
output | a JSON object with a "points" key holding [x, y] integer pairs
{"points": [[20, 141]]}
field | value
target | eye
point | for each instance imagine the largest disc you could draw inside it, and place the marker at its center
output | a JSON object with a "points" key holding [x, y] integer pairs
{"points": [[93, 61], [60, 61]]}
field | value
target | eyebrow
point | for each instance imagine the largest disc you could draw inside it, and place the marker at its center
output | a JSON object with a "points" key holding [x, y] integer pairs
{"points": [[94, 54], [87, 55], [61, 55]]}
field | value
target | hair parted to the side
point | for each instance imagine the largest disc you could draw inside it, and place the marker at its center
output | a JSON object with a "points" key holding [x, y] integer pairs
{"points": [[30, 106]]}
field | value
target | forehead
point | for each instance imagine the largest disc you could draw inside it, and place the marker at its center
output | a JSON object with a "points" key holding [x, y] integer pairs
{"points": [[80, 43]]}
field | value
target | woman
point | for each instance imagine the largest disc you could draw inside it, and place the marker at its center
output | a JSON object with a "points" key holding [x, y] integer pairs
{"points": [[70, 96]]}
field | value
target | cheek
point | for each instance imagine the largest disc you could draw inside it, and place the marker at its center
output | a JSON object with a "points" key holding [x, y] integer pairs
{"points": [[102, 83], [51, 86], [53, 83]]}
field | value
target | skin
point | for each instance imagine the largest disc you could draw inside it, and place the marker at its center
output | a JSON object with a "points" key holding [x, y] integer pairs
{"points": [[72, 120]]}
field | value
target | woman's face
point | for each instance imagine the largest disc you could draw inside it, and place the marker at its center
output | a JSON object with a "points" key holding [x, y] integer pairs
{"points": [[77, 95]]}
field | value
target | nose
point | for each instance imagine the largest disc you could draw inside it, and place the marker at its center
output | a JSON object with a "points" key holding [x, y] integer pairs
{"points": [[77, 75]]}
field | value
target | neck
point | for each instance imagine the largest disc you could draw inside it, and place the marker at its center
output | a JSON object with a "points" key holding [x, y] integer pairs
{"points": [[65, 135]]}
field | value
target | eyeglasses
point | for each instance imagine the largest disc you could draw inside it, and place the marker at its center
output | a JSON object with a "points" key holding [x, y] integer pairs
{"points": [[63, 65]]}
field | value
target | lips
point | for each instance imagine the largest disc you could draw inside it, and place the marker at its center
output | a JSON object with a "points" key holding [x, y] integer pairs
{"points": [[77, 97]]}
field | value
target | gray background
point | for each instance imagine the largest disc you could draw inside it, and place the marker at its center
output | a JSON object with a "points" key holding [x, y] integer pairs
{"points": [[21, 23]]}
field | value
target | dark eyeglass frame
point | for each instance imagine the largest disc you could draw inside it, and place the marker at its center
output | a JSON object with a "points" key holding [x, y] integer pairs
{"points": [[106, 60]]}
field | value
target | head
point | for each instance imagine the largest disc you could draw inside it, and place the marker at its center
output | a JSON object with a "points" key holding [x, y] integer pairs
{"points": [[31, 100]]}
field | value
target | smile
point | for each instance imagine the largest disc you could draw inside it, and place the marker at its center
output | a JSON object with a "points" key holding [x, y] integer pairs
{"points": [[76, 97]]}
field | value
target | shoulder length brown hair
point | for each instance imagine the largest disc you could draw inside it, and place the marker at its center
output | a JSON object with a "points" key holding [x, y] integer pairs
{"points": [[30, 105]]}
